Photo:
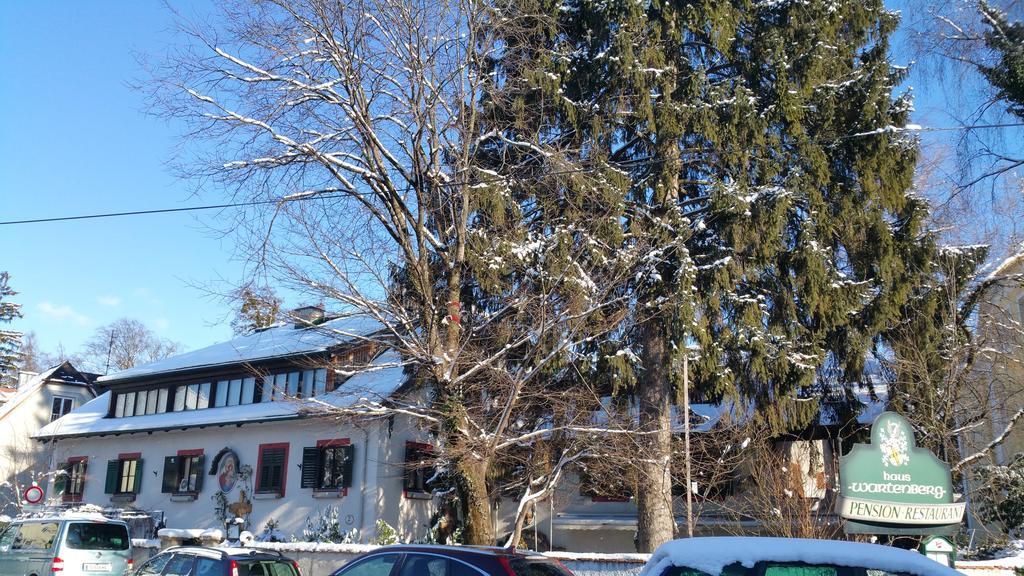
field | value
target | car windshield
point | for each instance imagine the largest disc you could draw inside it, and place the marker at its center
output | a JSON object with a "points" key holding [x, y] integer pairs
{"points": [[265, 568], [94, 536], [539, 567]]}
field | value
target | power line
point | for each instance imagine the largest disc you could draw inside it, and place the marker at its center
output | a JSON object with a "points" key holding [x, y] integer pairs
{"points": [[910, 128]]}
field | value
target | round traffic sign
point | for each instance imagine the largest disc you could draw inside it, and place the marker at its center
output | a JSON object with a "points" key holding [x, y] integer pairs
{"points": [[33, 495]]}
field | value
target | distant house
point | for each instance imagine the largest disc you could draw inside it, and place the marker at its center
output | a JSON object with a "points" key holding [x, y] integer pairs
{"points": [[249, 428], [999, 377], [38, 400]]}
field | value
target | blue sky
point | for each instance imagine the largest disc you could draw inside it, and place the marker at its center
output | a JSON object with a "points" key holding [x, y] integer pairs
{"points": [[75, 139]]}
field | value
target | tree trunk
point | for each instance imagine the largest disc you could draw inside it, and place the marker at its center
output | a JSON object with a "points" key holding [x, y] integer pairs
{"points": [[655, 519], [476, 502]]}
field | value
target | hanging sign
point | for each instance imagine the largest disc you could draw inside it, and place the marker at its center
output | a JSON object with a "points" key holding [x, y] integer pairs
{"points": [[891, 486]]}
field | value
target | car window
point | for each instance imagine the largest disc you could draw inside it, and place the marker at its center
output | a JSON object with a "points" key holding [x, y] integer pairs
{"points": [[8, 536], [456, 568], [421, 565], [208, 567], [730, 570], [374, 566], [524, 567], [180, 565], [92, 536], [154, 565], [35, 536], [799, 570], [280, 569]]}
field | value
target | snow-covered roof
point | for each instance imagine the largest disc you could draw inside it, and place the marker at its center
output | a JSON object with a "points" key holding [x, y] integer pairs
{"points": [[279, 341], [26, 391], [364, 389], [712, 554]]}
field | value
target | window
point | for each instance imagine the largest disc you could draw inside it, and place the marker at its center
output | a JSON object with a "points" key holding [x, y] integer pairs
{"points": [[180, 565], [97, 536], [328, 465], [71, 483], [60, 407], [124, 475], [248, 390], [209, 567], [154, 565], [373, 566], [129, 404], [419, 468], [183, 474], [36, 536], [273, 469]]}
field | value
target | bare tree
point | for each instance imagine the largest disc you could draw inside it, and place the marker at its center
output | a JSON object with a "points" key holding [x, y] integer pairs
{"points": [[125, 343], [351, 130]]}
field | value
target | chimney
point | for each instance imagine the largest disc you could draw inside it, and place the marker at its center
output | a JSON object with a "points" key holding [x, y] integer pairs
{"points": [[307, 316]]}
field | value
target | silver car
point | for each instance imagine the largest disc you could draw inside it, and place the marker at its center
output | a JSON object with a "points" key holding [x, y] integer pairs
{"points": [[70, 546]]}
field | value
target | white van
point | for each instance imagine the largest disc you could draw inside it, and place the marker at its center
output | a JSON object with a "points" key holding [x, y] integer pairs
{"points": [[69, 546]]}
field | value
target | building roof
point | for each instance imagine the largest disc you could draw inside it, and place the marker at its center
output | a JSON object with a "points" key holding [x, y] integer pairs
{"points": [[277, 342], [365, 390]]}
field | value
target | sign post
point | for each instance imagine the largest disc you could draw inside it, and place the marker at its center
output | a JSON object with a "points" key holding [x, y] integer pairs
{"points": [[891, 486]]}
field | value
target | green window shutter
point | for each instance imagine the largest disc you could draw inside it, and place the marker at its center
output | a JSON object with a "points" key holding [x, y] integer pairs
{"points": [[310, 467], [113, 469], [350, 458], [60, 480], [138, 477], [170, 478], [200, 467]]}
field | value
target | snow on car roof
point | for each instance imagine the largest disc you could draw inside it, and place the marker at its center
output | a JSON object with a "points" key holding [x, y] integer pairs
{"points": [[384, 377], [712, 554], [282, 340]]}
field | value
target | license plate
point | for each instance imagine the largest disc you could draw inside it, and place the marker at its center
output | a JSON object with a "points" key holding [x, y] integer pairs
{"points": [[96, 567]]}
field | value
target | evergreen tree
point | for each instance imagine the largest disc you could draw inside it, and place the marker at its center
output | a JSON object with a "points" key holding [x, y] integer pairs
{"points": [[10, 341], [259, 308], [765, 183]]}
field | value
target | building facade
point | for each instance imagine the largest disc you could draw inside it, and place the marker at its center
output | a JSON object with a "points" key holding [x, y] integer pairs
{"points": [[254, 428], [38, 400]]}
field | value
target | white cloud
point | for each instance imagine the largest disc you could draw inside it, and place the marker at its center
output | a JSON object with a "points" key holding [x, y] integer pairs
{"points": [[109, 301], [63, 313]]}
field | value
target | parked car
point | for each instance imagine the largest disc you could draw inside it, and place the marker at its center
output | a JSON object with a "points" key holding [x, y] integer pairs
{"points": [[205, 561], [411, 560], [69, 545], [753, 556]]}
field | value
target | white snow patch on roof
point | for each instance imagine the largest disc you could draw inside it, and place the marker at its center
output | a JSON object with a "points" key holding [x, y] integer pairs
{"points": [[383, 379], [712, 554], [283, 340]]}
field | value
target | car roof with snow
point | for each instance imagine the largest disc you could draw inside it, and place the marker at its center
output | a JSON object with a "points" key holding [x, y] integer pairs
{"points": [[712, 554]]}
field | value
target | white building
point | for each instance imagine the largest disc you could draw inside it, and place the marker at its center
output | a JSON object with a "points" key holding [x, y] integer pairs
{"points": [[38, 400], [250, 428]]}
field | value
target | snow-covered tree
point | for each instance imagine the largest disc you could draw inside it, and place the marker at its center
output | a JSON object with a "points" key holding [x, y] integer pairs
{"points": [[380, 185], [769, 181], [10, 341], [258, 308]]}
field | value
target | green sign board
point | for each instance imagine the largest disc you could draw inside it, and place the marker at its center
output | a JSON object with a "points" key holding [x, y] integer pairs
{"points": [[891, 486]]}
